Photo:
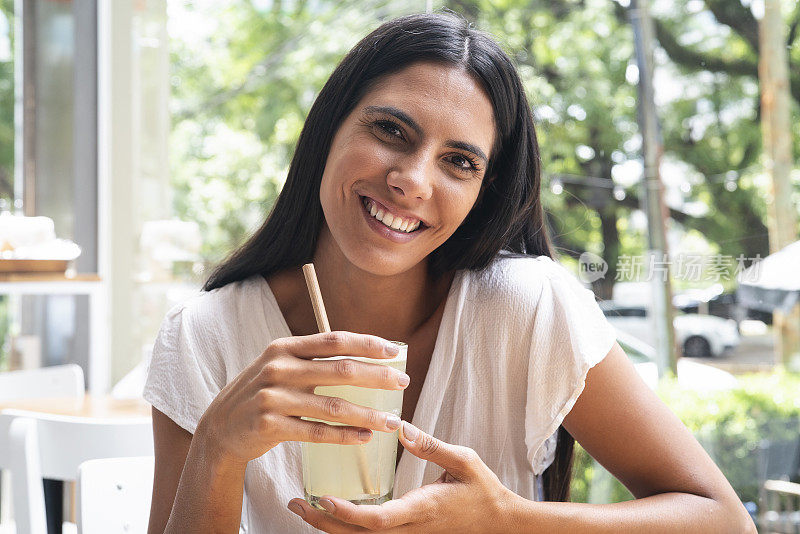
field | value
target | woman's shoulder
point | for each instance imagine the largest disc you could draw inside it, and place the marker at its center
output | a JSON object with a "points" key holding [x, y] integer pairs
{"points": [[198, 348], [519, 288], [207, 308], [515, 277]]}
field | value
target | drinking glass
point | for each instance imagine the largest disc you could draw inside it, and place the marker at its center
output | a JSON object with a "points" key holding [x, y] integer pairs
{"points": [[364, 473]]}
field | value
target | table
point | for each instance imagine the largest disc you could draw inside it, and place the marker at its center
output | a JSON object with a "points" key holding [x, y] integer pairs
{"points": [[86, 407], [73, 284]]}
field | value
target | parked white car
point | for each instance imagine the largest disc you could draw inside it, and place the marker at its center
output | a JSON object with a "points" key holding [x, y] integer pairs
{"points": [[698, 335], [691, 375]]}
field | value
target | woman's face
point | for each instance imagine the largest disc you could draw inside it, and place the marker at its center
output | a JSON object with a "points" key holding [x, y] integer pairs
{"points": [[412, 153]]}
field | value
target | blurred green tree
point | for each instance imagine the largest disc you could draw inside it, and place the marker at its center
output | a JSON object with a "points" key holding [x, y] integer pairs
{"points": [[576, 58], [7, 99], [573, 58], [714, 124], [246, 72], [244, 75]]}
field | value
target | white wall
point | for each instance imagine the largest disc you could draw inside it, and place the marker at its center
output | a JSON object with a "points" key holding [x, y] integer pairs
{"points": [[133, 167]]}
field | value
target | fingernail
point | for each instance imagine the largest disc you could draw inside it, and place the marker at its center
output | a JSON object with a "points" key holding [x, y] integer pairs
{"points": [[392, 422], [391, 349], [403, 380], [410, 432], [297, 509], [328, 505], [364, 435]]}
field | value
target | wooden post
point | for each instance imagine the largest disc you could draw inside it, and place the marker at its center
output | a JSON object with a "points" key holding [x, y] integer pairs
{"points": [[653, 191], [776, 130]]}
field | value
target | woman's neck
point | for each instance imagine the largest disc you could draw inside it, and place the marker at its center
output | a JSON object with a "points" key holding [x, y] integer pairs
{"points": [[393, 307]]}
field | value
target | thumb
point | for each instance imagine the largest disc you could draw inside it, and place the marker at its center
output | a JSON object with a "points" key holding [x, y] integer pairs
{"points": [[460, 462]]}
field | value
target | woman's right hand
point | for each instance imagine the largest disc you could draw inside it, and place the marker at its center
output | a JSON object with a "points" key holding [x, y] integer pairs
{"points": [[263, 405]]}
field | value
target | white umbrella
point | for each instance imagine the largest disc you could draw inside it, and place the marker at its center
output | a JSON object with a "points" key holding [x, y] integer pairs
{"points": [[774, 282]]}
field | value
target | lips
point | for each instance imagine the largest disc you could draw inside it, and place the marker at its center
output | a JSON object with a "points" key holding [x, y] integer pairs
{"points": [[397, 223], [412, 220], [381, 229]]}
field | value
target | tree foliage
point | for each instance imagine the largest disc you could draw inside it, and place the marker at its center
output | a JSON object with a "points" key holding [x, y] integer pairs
{"points": [[7, 99], [711, 47], [573, 58], [244, 75], [246, 72]]}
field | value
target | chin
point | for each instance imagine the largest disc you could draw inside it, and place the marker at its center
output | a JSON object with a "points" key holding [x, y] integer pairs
{"points": [[380, 262]]}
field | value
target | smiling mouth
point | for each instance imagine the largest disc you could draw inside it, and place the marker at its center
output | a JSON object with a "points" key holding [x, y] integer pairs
{"points": [[396, 224]]}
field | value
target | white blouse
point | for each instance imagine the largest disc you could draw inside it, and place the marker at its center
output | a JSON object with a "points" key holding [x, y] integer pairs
{"points": [[511, 356]]}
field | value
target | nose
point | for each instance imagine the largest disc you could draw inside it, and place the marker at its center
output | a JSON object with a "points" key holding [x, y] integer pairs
{"points": [[411, 178]]}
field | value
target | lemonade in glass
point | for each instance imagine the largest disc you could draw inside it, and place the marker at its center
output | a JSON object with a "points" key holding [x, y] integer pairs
{"points": [[364, 473]]}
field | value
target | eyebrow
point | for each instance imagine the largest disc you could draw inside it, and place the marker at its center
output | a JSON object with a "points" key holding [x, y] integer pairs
{"points": [[403, 116]]}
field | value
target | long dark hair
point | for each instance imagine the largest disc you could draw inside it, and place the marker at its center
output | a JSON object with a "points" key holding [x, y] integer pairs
{"points": [[508, 215]]}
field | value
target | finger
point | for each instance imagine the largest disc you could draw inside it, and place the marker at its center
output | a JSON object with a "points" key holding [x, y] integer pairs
{"points": [[391, 514], [460, 462], [294, 429], [320, 520], [352, 372], [340, 343], [337, 410]]}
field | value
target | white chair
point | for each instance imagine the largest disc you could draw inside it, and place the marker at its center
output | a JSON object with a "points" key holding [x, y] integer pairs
{"points": [[65, 442], [57, 445], [55, 381], [18, 456], [114, 495]]}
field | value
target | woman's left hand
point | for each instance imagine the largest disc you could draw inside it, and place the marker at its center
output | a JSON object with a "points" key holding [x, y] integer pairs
{"points": [[468, 497]]}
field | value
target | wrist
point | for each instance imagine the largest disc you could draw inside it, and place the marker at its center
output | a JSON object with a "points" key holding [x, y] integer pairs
{"points": [[210, 451], [515, 513], [209, 495]]}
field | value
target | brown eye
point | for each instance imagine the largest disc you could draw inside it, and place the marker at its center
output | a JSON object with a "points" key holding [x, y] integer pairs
{"points": [[389, 128], [463, 163]]}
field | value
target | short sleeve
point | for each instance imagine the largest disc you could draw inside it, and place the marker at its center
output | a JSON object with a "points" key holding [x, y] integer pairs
{"points": [[570, 335], [183, 377]]}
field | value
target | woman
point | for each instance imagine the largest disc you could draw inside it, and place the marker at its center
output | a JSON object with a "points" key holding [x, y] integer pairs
{"points": [[415, 191]]}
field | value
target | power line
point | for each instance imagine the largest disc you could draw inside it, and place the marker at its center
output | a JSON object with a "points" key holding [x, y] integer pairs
{"points": [[732, 175]]}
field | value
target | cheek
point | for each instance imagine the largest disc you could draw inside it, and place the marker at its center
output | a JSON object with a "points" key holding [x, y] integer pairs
{"points": [[347, 161], [461, 200], [359, 157], [356, 160]]}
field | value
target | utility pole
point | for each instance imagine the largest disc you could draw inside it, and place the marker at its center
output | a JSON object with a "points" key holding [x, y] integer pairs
{"points": [[773, 73], [653, 194]]}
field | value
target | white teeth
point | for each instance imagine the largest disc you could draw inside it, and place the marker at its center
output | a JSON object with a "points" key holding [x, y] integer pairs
{"points": [[395, 223]]}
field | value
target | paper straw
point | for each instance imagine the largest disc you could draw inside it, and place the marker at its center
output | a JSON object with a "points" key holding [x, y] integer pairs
{"points": [[324, 326]]}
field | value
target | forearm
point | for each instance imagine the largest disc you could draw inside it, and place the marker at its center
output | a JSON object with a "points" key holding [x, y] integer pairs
{"points": [[664, 513], [209, 496]]}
